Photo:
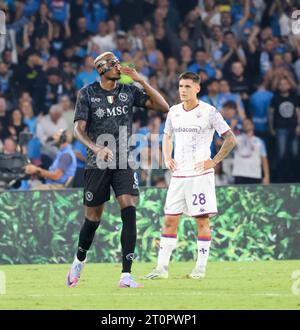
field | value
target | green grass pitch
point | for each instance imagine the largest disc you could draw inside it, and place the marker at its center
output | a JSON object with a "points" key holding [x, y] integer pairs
{"points": [[228, 285]]}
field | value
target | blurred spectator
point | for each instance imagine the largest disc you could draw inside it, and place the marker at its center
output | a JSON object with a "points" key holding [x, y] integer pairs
{"points": [[62, 168], [46, 128], [34, 146], [202, 63], [214, 96], [80, 153], [59, 10], [81, 37], [250, 163], [168, 80], [215, 43], [226, 20], [29, 74], [154, 58], [221, 178], [185, 57], [259, 105], [226, 96], [284, 121], [94, 12], [4, 119], [135, 38], [49, 91], [67, 111], [121, 45], [162, 42], [232, 52], [239, 83], [209, 13], [5, 79], [177, 41], [9, 146], [232, 117], [61, 32], [104, 40], [76, 11], [43, 24], [16, 125], [278, 71], [88, 74], [43, 48], [52, 63], [266, 56]]}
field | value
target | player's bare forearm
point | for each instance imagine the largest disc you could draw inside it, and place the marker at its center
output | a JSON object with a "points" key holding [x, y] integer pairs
{"points": [[227, 146], [81, 135], [156, 101], [167, 147], [167, 151]]}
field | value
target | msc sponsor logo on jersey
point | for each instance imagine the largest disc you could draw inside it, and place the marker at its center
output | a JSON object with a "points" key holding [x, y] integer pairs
{"points": [[111, 112]]}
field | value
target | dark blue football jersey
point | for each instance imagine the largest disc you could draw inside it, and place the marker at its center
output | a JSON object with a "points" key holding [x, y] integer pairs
{"points": [[108, 113]]}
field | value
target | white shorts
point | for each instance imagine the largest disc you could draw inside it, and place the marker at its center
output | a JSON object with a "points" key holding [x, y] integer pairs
{"points": [[194, 195]]}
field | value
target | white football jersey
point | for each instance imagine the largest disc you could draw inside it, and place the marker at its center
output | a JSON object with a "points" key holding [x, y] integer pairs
{"points": [[193, 131]]}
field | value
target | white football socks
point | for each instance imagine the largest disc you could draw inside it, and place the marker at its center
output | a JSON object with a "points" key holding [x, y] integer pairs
{"points": [[167, 245], [203, 244]]}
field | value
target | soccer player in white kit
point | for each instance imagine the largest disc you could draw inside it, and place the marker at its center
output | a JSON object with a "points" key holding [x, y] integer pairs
{"points": [[192, 186]]}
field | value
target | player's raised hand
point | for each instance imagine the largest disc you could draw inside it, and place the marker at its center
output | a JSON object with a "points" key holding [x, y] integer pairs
{"points": [[171, 164], [132, 73]]}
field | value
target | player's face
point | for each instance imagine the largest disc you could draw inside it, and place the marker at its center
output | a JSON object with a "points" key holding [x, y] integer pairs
{"points": [[113, 63], [188, 90]]}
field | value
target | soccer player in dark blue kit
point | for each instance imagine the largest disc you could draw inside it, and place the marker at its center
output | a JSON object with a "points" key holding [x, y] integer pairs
{"points": [[101, 109]]}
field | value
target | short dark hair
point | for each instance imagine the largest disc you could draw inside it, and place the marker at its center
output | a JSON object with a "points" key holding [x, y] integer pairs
{"points": [[230, 104], [190, 75], [227, 33], [212, 81]]}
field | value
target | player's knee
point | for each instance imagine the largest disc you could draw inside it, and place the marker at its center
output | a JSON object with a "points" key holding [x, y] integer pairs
{"points": [[203, 224], [94, 213], [93, 216], [170, 223]]}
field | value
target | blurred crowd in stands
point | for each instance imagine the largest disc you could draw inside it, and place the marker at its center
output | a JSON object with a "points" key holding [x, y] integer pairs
{"points": [[245, 52]]}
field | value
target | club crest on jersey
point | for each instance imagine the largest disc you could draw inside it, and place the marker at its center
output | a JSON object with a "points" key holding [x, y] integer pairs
{"points": [[110, 99], [89, 196], [198, 115], [123, 97]]}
